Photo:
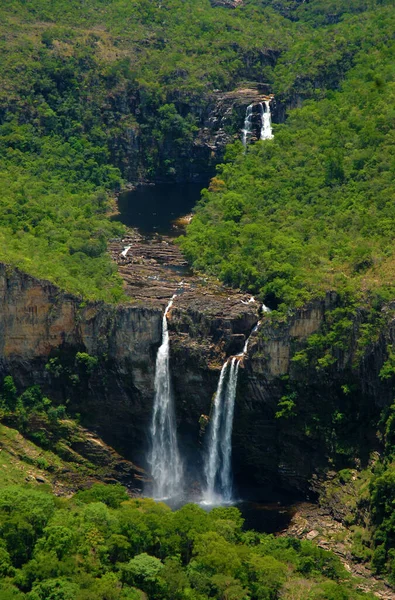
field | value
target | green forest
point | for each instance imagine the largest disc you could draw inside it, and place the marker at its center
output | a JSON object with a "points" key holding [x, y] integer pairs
{"points": [[101, 545], [311, 210], [97, 93], [80, 81]]}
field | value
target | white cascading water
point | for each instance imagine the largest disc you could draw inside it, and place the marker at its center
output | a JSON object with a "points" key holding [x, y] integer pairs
{"points": [[226, 440], [164, 457], [125, 251], [247, 129], [218, 466], [266, 127], [213, 458]]}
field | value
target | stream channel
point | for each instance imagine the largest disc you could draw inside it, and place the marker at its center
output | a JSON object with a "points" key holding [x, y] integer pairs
{"points": [[153, 210]]}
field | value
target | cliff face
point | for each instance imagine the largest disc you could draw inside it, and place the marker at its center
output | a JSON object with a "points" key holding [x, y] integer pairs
{"points": [[272, 452], [267, 453], [295, 421], [37, 317], [223, 118], [218, 117], [39, 323], [42, 329], [332, 414]]}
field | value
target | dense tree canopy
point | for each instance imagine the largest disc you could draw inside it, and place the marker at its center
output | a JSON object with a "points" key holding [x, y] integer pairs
{"points": [[95, 91], [313, 209], [92, 547]]}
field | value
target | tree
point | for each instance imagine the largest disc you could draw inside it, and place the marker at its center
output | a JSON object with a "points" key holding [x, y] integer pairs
{"points": [[54, 589], [143, 572], [266, 576], [9, 393], [111, 495]]}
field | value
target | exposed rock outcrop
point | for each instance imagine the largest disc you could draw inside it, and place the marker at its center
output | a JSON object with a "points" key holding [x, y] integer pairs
{"points": [[224, 117], [39, 322], [227, 3], [207, 323]]}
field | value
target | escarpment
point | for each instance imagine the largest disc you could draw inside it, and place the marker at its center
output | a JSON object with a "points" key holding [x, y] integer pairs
{"points": [[284, 435], [38, 322], [297, 413], [43, 330]]}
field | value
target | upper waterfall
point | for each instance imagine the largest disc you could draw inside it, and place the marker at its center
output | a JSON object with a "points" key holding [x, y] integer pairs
{"points": [[251, 125], [266, 120], [164, 457], [247, 129]]}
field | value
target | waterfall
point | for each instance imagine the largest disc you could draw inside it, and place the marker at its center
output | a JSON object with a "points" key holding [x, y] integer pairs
{"points": [[164, 457], [245, 349], [247, 129], [226, 440], [125, 251], [266, 119], [213, 459], [218, 467]]}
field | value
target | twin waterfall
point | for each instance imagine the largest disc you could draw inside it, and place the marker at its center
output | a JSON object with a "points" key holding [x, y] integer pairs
{"points": [[164, 457], [266, 120], [218, 460], [266, 132], [218, 469]]}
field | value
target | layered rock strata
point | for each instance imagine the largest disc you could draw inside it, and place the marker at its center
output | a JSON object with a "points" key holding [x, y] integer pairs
{"points": [[40, 323], [207, 324]]}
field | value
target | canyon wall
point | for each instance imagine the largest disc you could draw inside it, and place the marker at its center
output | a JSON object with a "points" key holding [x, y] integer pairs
{"points": [[42, 329], [330, 416], [39, 322], [218, 119]]}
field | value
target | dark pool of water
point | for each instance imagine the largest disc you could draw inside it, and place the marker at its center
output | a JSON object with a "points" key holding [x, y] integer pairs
{"points": [[153, 208], [265, 518], [270, 517]]}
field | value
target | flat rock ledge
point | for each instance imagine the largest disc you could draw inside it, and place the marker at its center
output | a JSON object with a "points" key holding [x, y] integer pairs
{"points": [[154, 269]]}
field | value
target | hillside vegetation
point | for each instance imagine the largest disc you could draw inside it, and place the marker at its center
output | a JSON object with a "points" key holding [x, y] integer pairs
{"points": [[313, 209], [98, 92], [87, 97], [100, 545]]}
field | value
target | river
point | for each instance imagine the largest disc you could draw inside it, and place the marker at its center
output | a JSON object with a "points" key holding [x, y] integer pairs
{"points": [[155, 208]]}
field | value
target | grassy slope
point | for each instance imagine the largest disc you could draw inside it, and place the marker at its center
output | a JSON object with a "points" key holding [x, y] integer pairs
{"points": [[21, 461]]}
